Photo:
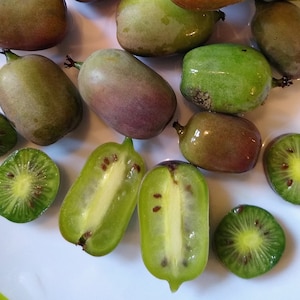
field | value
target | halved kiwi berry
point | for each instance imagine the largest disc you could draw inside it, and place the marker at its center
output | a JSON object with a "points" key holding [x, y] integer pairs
{"points": [[29, 182], [8, 135], [249, 241], [281, 162]]}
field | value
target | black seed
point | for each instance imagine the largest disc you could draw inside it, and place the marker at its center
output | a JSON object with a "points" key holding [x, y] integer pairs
{"points": [[106, 161], [156, 208], [83, 238], [185, 263], [189, 189], [136, 167], [157, 195], [164, 262], [10, 175]]}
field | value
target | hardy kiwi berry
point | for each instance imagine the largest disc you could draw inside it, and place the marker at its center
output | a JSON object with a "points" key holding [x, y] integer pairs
{"points": [[281, 162], [29, 182], [249, 241]]}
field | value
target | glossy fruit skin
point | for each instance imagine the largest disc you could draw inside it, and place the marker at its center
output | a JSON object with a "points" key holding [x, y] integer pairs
{"points": [[22, 29], [159, 27], [281, 161], [275, 27], [220, 142], [173, 210], [98, 207], [39, 98], [204, 4], [118, 86], [228, 78]]}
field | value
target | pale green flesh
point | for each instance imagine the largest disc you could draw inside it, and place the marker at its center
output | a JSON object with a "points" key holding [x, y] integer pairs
{"points": [[99, 205], [106, 189], [174, 226]]}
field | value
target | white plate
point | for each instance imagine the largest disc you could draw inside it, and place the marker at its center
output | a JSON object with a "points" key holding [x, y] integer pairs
{"points": [[36, 263]]}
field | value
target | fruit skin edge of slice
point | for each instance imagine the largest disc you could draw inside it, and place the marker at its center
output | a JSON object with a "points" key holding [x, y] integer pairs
{"points": [[2, 297], [20, 171], [232, 233], [281, 162]]}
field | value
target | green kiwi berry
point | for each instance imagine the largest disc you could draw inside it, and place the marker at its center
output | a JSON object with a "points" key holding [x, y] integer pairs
{"points": [[281, 162], [249, 241], [29, 182]]}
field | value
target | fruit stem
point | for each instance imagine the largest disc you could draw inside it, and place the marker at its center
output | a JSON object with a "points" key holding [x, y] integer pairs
{"points": [[70, 63], [10, 56], [128, 142], [179, 128], [282, 82], [221, 15]]}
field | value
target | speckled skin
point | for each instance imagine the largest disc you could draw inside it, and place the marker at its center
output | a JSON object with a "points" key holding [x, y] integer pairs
{"points": [[228, 78], [204, 4], [32, 24], [160, 27], [126, 94], [276, 28]]}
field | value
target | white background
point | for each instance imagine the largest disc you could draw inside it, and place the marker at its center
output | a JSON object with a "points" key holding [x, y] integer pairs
{"points": [[36, 263]]}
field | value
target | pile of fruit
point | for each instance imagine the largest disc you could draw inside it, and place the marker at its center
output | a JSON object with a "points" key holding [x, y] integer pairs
{"points": [[222, 82]]}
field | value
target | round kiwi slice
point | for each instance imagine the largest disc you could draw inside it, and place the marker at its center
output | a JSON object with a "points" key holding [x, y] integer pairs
{"points": [[281, 162], [8, 135], [249, 241], [29, 182]]}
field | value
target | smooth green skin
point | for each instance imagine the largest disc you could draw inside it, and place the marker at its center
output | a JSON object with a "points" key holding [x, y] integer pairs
{"points": [[8, 135], [276, 28], [99, 205], [239, 232], [118, 86], [220, 142], [32, 24], [39, 98], [160, 27], [229, 78], [34, 195], [281, 162], [173, 210]]}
